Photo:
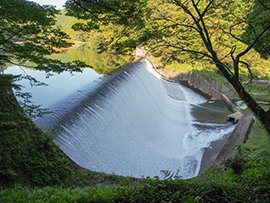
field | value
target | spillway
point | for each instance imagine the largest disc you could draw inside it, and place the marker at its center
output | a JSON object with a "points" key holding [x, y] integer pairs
{"points": [[134, 124]]}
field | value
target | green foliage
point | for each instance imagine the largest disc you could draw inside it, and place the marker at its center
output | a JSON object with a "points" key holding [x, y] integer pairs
{"points": [[170, 34], [65, 23], [99, 194], [28, 34], [151, 190], [89, 47], [130, 14], [147, 191], [258, 19], [28, 156], [103, 63]]}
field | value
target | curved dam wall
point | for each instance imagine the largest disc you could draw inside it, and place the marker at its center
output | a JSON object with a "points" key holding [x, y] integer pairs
{"points": [[202, 84], [135, 124]]}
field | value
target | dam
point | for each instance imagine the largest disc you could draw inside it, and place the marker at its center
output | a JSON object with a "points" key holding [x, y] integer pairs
{"points": [[135, 123]]}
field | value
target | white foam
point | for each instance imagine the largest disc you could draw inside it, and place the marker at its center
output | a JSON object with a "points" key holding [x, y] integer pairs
{"points": [[139, 127]]}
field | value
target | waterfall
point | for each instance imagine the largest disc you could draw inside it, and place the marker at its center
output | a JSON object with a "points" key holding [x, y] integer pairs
{"points": [[134, 124]]}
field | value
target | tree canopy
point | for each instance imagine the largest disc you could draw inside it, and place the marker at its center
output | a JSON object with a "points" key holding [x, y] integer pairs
{"points": [[223, 33], [28, 34], [257, 20], [165, 27]]}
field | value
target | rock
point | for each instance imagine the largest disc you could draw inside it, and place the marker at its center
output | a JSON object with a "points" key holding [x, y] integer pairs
{"points": [[235, 117]]}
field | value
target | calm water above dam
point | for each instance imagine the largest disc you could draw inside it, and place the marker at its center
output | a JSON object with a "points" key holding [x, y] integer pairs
{"points": [[58, 86], [133, 123]]}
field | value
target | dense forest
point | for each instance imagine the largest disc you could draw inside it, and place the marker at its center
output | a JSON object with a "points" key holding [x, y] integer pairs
{"points": [[226, 40]]}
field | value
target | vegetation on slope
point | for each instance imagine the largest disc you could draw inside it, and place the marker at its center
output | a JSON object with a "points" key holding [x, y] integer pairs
{"points": [[28, 156], [28, 34], [244, 181], [86, 47]]}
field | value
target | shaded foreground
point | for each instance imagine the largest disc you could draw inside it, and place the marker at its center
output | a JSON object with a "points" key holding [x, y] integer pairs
{"points": [[197, 190]]}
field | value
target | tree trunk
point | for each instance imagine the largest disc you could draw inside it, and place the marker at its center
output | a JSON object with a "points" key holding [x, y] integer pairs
{"points": [[261, 114], [258, 111]]}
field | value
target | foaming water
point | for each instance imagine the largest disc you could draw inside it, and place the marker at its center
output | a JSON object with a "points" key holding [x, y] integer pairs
{"points": [[135, 124]]}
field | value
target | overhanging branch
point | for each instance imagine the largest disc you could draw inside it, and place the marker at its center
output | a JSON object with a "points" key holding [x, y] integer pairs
{"points": [[249, 70], [253, 43], [264, 5], [9, 38]]}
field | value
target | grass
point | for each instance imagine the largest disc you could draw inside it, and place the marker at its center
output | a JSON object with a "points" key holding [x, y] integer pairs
{"points": [[259, 92], [257, 146], [148, 191], [60, 195]]}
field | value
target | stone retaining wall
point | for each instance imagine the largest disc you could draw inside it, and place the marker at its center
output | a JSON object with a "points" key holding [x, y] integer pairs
{"points": [[207, 86], [221, 150]]}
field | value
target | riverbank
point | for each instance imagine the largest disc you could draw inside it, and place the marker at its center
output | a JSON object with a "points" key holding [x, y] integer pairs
{"points": [[221, 150]]}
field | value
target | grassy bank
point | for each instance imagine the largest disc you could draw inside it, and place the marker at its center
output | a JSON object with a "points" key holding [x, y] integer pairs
{"points": [[219, 188], [148, 191]]}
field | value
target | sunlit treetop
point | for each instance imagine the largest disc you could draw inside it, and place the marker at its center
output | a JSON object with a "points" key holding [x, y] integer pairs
{"points": [[219, 32], [161, 23], [28, 34], [115, 17]]}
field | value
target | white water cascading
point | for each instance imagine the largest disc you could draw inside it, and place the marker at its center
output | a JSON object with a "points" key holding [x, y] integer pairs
{"points": [[136, 124]]}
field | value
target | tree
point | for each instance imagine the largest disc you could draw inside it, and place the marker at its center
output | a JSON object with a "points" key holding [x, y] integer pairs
{"points": [[210, 30], [28, 34], [259, 19]]}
